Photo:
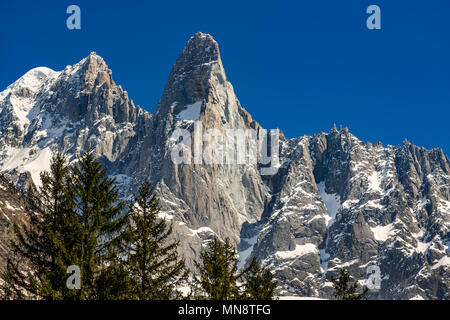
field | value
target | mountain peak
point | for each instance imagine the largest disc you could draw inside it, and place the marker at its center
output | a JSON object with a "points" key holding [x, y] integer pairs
{"points": [[92, 66], [201, 35], [202, 48], [33, 79], [95, 58], [200, 51], [196, 70], [86, 90]]}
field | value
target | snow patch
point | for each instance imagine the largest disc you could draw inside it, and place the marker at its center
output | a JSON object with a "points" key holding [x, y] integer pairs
{"points": [[10, 207], [165, 215], [324, 257], [7, 218], [422, 246], [37, 163], [374, 204], [192, 112], [332, 202], [195, 232], [245, 254], [444, 261], [381, 233], [374, 182], [300, 250]]}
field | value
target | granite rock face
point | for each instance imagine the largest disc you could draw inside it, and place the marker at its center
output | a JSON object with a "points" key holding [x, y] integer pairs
{"points": [[334, 201], [340, 202]]}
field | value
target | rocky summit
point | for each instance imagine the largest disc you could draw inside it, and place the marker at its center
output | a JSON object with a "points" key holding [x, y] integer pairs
{"points": [[382, 212]]}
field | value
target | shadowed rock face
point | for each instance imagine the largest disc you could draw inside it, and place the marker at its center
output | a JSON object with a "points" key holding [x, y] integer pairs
{"points": [[334, 202]]}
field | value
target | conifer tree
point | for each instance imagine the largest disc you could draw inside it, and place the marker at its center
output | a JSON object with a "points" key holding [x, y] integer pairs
{"points": [[41, 251], [218, 272], [345, 291], [114, 283], [258, 282], [100, 223], [152, 259]]}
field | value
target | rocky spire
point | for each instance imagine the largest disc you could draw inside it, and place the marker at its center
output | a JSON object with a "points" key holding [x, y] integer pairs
{"points": [[191, 78], [198, 78], [201, 49], [94, 70]]}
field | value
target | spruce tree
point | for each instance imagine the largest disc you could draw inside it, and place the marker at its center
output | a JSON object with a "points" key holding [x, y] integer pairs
{"points": [[218, 272], [152, 259], [114, 282], [100, 223], [345, 291], [41, 251], [258, 282]]}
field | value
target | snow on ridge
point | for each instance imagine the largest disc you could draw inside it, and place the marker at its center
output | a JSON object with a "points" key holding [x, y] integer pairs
{"points": [[33, 79], [23, 91]]}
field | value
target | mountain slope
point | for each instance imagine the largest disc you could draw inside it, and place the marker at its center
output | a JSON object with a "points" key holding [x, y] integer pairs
{"points": [[334, 201]]}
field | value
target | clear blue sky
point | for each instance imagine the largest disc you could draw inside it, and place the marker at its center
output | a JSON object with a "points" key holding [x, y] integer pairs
{"points": [[300, 65]]}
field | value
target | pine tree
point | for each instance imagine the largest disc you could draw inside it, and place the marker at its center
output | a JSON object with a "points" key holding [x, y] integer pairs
{"points": [[100, 223], [41, 251], [344, 291], [218, 272], [258, 282], [153, 263]]}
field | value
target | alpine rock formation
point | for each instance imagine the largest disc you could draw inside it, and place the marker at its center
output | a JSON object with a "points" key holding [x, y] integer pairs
{"points": [[334, 201]]}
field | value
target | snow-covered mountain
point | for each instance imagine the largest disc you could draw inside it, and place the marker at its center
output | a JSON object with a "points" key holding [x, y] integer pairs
{"points": [[334, 201]]}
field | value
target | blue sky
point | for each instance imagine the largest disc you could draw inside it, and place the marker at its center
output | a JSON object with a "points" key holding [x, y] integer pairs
{"points": [[297, 65]]}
